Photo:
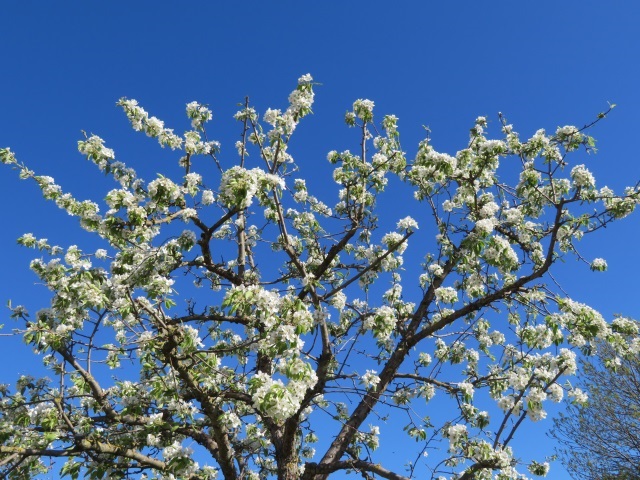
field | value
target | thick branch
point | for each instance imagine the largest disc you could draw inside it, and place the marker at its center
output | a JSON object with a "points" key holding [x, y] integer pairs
{"points": [[88, 446], [353, 465]]}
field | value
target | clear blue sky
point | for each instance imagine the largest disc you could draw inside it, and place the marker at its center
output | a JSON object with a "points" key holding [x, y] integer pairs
{"points": [[441, 64]]}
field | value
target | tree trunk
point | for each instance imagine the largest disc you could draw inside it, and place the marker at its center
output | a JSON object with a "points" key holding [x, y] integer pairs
{"points": [[284, 442], [288, 470]]}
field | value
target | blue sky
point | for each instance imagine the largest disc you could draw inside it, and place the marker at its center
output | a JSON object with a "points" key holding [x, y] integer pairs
{"points": [[440, 64]]}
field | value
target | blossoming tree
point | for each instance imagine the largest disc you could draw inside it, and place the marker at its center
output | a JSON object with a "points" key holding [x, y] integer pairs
{"points": [[300, 346]]}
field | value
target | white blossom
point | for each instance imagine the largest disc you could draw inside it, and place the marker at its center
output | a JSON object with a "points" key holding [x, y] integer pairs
{"points": [[370, 379], [407, 223], [446, 295], [363, 109], [582, 177], [207, 197], [599, 265]]}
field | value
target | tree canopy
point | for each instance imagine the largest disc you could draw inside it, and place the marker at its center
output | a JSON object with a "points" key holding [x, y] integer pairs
{"points": [[602, 439], [236, 324]]}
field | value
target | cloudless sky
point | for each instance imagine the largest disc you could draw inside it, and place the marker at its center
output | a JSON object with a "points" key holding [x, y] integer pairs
{"points": [[438, 64]]}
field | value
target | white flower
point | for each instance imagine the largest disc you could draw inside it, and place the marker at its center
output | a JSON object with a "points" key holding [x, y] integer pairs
{"points": [[238, 186], [372, 441], [599, 265], [582, 177], [567, 131], [370, 380], [486, 225], [567, 361], [455, 433], [199, 114], [555, 392], [339, 300], [513, 215], [306, 78], [448, 205], [379, 160], [154, 127], [392, 241], [363, 109], [467, 389], [188, 213], [163, 190], [436, 270], [489, 210], [446, 295], [300, 101], [624, 325], [277, 400], [428, 391], [424, 359], [540, 469], [506, 403], [382, 322], [207, 197], [271, 116], [578, 396], [499, 253], [407, 223], [175, 450], [534, 402], [40, 410]]}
